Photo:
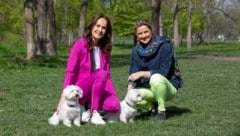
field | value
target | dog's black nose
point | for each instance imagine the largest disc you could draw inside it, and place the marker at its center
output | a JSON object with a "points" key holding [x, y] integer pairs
{"points": [[77, 95]]}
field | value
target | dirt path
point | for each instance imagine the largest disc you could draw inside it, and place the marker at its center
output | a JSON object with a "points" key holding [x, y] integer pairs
{"points": [[225, 58]]}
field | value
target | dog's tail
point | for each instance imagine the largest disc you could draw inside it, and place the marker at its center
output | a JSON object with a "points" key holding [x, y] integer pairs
{"points": [[54, 119]]}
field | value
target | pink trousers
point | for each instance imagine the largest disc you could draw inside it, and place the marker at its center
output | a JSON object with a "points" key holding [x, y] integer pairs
{"points": [[96, 96]]}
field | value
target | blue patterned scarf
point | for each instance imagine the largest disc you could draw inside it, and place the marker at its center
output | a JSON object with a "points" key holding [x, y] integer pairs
{"points": [[149, 51]]}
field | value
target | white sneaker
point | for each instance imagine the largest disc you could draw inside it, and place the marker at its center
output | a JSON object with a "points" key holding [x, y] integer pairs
{"points": [[97, 119], [86, 116]]}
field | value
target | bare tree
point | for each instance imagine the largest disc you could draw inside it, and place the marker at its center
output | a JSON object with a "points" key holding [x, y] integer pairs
{"points": [[156, 6], [220, 7], [29, 28], [225, 13], [83, 14], [209, 4], [189, 22]]}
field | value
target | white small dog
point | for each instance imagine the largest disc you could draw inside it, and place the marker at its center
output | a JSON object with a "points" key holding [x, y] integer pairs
{"points": [[70, 110], [128, 108]]}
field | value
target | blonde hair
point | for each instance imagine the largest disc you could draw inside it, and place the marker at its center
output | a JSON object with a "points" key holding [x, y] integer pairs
{"points": [[141, 22]]}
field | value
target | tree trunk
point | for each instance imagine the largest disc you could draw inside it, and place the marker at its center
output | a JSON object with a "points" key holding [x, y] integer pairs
{"points": [[70, 38], [176, 24], [160, 24], [30, 40], [200, 38], [51, 34], [82, 19], [209, 10], [208, 28], [189, 30], [42, 26], [156, 5]]}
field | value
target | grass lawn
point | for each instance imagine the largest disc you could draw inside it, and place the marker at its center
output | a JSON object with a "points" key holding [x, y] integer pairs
{"points": [[207, 105]]}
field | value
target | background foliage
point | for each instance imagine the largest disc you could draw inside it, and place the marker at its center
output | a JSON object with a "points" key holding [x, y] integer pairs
{"points": [[124, 15]]}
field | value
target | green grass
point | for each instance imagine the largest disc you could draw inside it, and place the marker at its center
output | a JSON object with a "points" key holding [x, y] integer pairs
{"points": [[228, 48], [208, 104]]}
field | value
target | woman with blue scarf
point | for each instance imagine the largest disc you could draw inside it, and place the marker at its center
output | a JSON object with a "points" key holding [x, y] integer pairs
{"points": [[153, 70]]}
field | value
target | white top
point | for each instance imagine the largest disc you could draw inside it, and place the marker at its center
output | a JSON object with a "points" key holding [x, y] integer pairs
{"points": [[96, 54]]}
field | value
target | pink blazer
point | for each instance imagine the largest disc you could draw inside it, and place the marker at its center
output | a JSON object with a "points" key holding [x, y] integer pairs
{"points": [[79, 65]]}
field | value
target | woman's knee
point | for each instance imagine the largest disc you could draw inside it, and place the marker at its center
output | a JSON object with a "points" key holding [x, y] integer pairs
{"points": [[146, 94], [111, 105], [144, 105], [157, 79]]}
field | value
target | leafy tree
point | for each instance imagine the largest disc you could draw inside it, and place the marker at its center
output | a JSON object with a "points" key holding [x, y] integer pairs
{"points": [[11, 16], [67, 16], [126, 13]]}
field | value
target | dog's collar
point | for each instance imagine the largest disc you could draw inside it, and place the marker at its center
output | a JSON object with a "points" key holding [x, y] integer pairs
{"points": [[130, 105], [71, 105]]}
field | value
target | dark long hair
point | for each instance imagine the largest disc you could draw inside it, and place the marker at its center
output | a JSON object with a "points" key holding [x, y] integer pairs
{"points": [[140, 23], [105, 42]]}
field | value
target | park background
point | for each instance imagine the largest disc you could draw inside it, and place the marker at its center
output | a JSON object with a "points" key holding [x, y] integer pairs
{"points": [[36, 36]]}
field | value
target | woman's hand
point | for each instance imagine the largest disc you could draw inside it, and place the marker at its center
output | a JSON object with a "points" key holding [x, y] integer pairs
{"points": [[134, 76], [139, 74]]}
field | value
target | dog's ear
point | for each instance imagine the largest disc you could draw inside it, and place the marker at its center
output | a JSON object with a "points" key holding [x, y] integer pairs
{"points": [[80, 92], [66, 92], [65, 89]]}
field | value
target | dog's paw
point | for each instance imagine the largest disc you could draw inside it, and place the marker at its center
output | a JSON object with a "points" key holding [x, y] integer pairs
{"points": [[77, 122], [67, 124], [131, 120], [86, 115], [124, 120]]}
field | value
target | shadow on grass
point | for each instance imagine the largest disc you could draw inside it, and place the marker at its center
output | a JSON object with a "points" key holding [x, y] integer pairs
{"points": [[171, 111], [176, 111]]}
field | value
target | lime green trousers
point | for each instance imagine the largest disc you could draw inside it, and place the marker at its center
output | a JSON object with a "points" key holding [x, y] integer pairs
{"points": [[160, 91]]}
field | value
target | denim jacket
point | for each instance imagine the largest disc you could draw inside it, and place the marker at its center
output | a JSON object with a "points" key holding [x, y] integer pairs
{"points": [[157, 57]]}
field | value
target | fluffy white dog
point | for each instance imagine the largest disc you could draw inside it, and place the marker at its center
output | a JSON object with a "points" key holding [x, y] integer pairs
{"points": [[70, 111], [128, 108]]}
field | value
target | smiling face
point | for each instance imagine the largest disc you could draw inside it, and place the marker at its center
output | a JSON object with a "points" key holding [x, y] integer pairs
{"points": [[144, 34], [99, 30]]}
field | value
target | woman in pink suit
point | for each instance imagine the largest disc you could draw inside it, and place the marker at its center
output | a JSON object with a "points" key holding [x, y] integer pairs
{"points": [[88, 67]]}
